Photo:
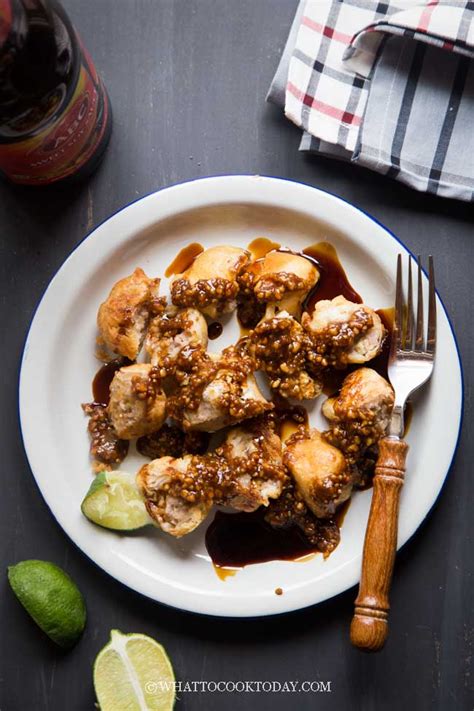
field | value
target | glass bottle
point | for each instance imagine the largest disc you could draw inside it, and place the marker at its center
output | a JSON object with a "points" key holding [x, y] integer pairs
{"points": [[55, 116]]}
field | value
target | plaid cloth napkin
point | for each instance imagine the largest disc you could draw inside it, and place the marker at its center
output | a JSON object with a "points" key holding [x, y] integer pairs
{"points": [[389, 85]]}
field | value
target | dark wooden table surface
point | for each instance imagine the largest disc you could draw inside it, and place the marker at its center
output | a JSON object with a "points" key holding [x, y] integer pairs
{"points": [[187, 79]]}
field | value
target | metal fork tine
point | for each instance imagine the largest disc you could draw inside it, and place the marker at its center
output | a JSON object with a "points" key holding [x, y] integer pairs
{"points": [[396, 343], [408, 342], [431, 340], [419, 341]]}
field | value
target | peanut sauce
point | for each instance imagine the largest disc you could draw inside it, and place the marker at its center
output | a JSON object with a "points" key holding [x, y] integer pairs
{"points": [[288, 417], [332, 281], [184, 259], [334, 379]]}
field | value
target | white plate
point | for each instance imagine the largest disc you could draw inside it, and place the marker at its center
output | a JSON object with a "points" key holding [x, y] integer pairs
{"points": [[58, 366]]}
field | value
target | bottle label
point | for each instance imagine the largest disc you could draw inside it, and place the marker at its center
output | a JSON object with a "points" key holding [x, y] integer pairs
{"points": [[65, 145], [5, 20]]}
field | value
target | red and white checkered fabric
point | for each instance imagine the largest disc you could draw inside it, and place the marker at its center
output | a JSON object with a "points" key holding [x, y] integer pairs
{"points": [[336, 48]]}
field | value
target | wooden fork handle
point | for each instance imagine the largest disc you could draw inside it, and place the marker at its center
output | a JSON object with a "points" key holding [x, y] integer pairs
{"points": [[369, 628]]}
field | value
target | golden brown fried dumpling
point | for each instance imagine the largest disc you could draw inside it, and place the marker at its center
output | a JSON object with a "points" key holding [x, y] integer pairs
{"points": [[172, 331], [137, 402], [253, 452], [358, 417], [166, 484], [210, 283], [281, 348], [320, 471], [365, 399], [226, 400], [280, 277], [215, 390], [106, 448], [123, 317], [354, 333]]}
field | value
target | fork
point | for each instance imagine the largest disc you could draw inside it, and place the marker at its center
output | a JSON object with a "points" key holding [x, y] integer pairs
{"points": [[410, 365]]}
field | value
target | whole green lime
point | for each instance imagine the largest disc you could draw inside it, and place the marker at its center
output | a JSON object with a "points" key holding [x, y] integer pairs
{"points": [[51, 598]]}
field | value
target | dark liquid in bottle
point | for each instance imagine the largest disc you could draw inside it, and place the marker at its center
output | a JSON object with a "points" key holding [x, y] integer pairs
{"points": [[55, 117]]}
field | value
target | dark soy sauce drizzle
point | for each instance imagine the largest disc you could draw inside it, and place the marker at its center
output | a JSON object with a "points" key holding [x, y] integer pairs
{"points": [[234, 540], [184, 259], [239, 539], [214, 330], [380, 363], [103, 378], [332, 277], [260, 246]]}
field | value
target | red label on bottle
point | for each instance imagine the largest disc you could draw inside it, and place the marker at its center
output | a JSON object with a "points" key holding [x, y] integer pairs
{"points": [[66, 144], [5, 20]]}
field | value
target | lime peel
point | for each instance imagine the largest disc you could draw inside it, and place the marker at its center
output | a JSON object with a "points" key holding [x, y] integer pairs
{"points": [[51, 598]]}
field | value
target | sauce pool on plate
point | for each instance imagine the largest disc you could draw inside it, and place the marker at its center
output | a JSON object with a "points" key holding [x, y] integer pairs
{"points": [[234, 540], [214, 330], [103, 378], [333, 280]]}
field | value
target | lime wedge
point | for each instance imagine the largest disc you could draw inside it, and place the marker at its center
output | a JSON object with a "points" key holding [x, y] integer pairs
{"points": [[114, 501], [133, 673], [52, 599]]}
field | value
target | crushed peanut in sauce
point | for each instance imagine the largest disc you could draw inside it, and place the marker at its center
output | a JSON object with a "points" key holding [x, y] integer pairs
{"points": [[204, 292], [295, 360], [107, 450], [271, 287], [170, 441]]}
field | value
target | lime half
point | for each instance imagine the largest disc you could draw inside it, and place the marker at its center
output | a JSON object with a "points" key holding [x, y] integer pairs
{"points": [[133, 673], [114, 501], [52, 599]]}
